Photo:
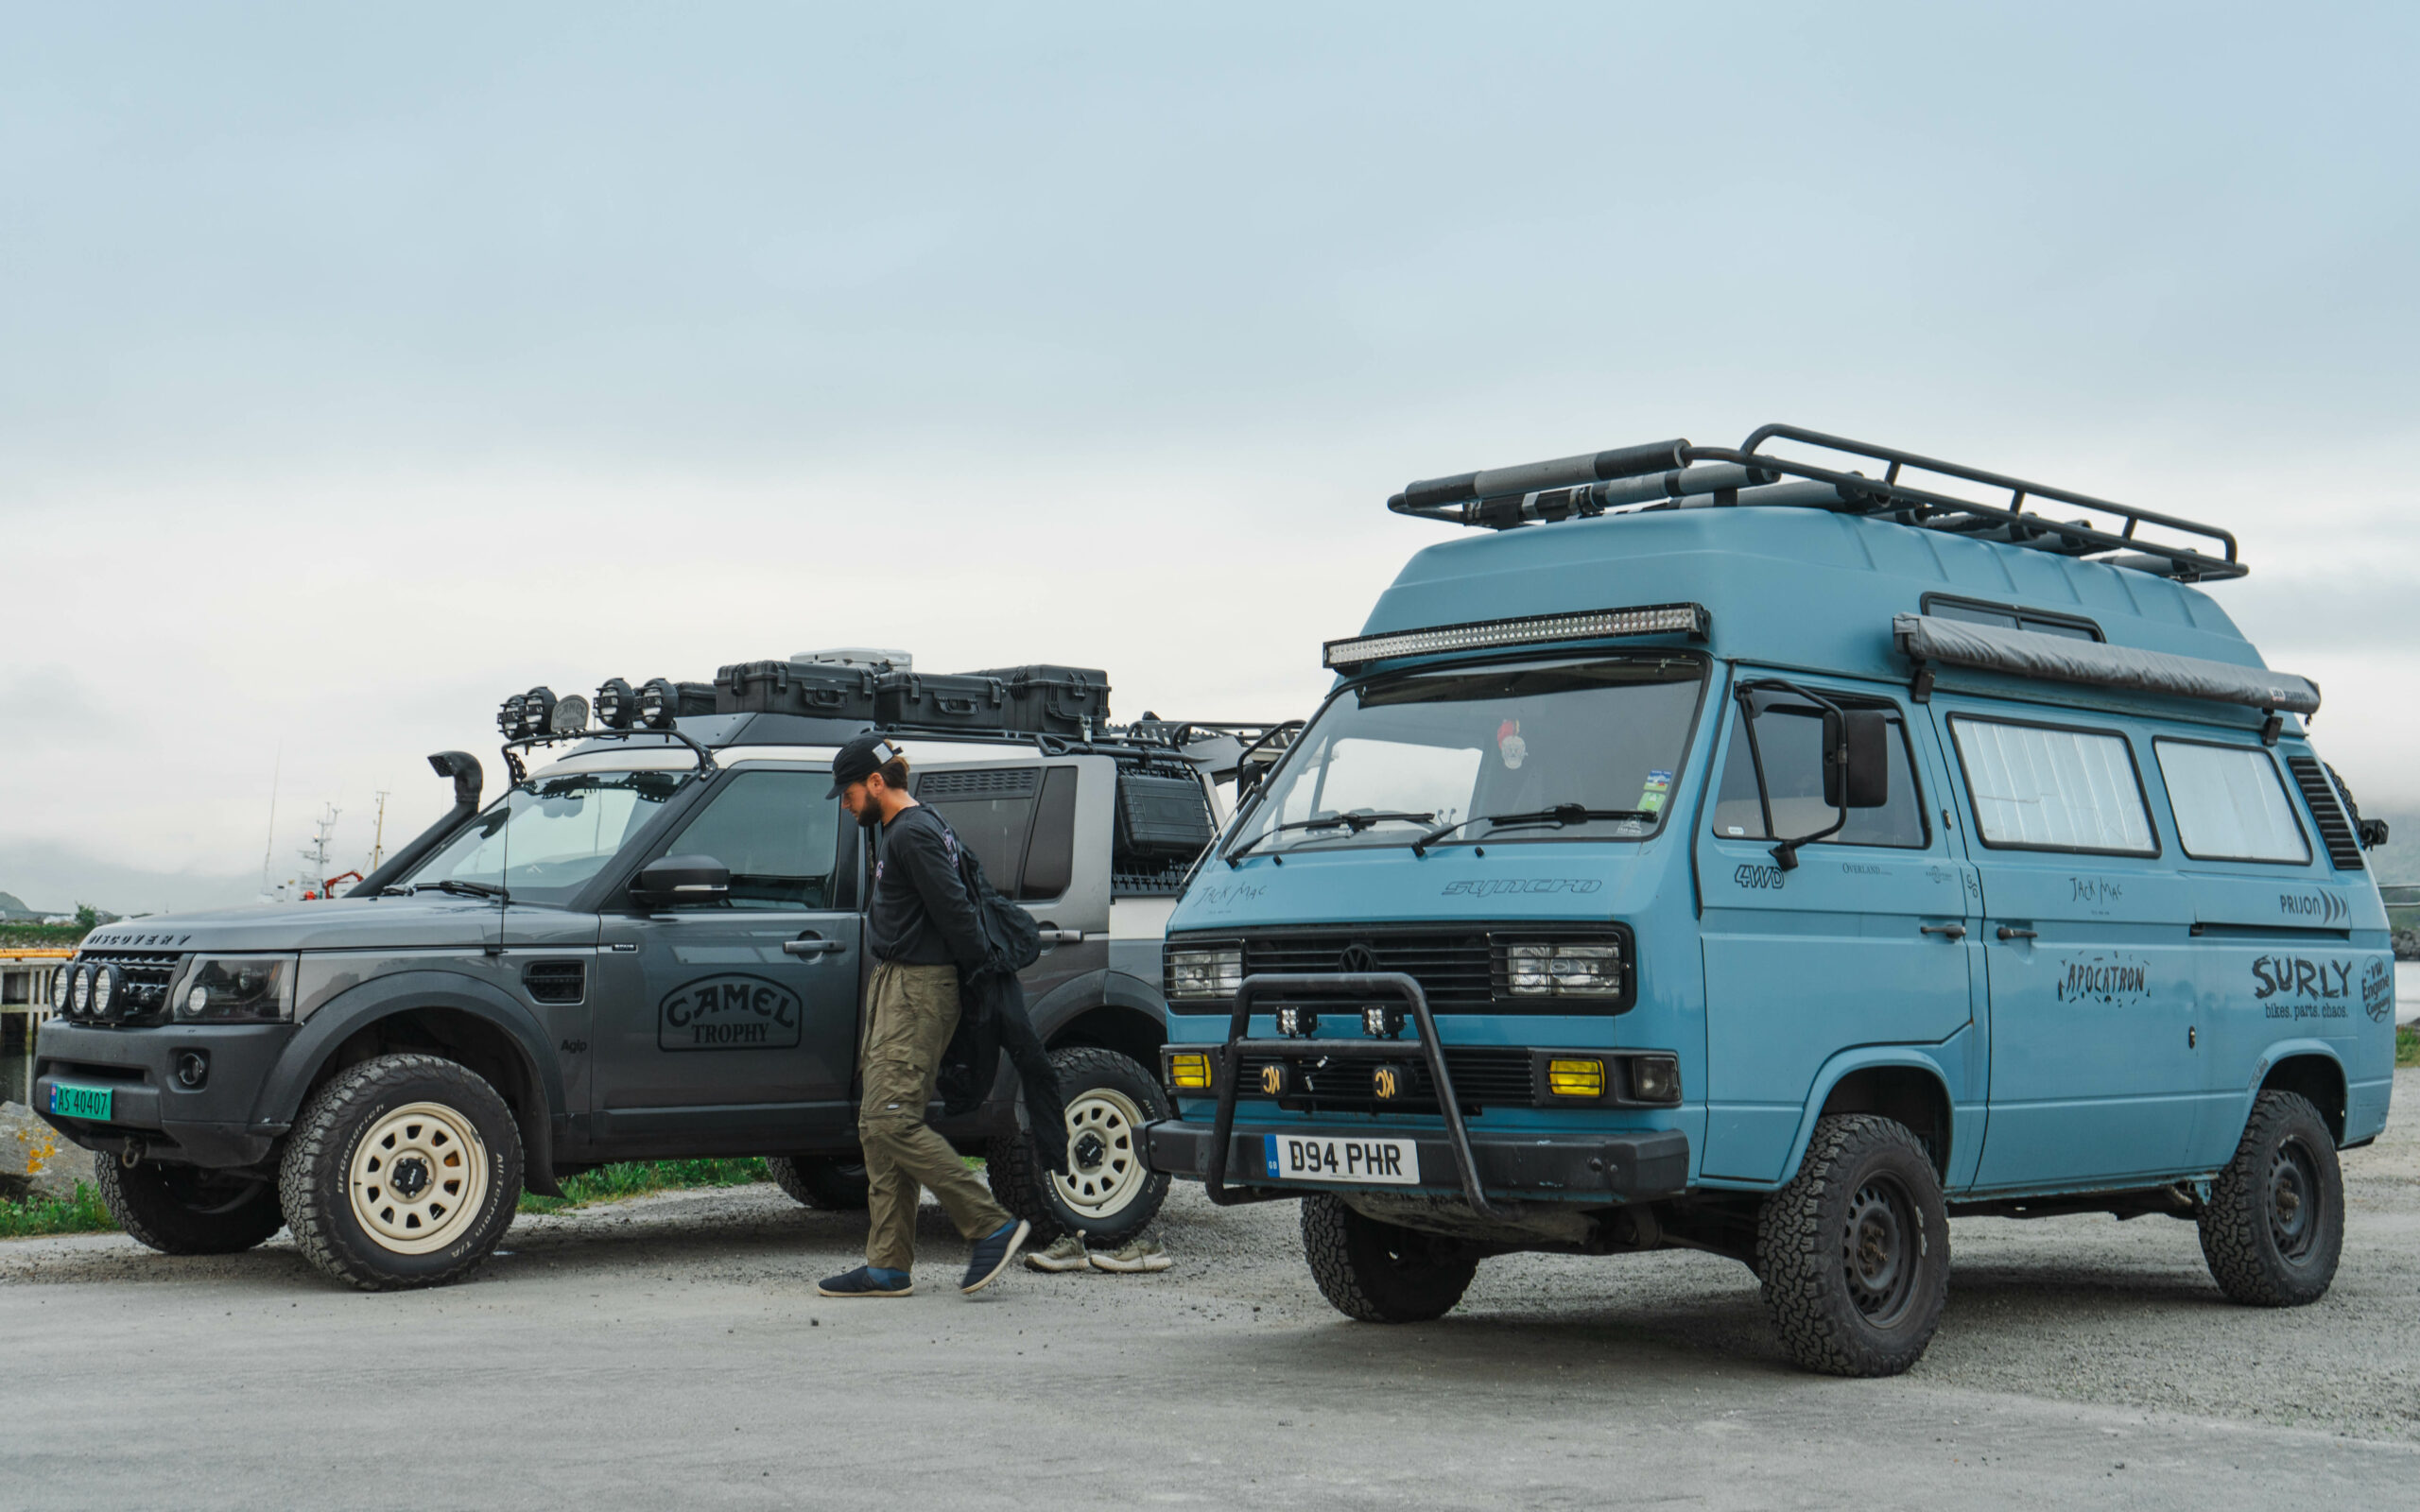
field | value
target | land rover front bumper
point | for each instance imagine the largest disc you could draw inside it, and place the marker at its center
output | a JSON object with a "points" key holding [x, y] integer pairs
{"points": [[155, 1099]]}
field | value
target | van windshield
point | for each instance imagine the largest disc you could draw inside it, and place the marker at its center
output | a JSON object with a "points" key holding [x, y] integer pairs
{"points": [[544, 844], [1404, 755]]}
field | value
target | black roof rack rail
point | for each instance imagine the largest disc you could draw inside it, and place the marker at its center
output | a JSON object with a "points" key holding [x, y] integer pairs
{"points": [[1677, 476]]}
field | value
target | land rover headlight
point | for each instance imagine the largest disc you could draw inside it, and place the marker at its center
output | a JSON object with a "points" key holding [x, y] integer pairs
{"points": [[240, 989], [1564, 970], [1196, 975]]}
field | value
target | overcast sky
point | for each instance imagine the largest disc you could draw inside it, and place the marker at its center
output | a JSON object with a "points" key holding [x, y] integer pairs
{"points": [[357, 369]]}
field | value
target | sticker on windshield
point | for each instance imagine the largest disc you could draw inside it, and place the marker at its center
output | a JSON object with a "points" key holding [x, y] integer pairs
{"points": [[1650, 799], [1510, 745]]}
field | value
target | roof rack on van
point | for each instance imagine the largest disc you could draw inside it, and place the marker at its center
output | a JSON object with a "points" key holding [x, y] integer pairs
{"points": [[1676, 475]]}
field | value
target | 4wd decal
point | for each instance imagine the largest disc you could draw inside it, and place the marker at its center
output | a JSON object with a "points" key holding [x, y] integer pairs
{"points": [[1749, 874], [732, 1011], [1490, 886], [2326, 909], [2300, 986], [2110, 979]]}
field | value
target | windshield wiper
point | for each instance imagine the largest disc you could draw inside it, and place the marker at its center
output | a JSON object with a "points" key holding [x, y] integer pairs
{"points": [[1560, 815], [1357, 821], [465, 889]]}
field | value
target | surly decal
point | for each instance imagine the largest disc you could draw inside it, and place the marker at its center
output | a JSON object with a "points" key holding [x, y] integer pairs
{"points": [[2302, 987], [2326, 909], [2378, 989], [2110, 979], [1492, 886], [728, 1012]]}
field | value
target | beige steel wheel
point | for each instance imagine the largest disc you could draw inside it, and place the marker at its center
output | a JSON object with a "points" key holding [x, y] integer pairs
{"points": [[1105, 1166], [419, 1178]]}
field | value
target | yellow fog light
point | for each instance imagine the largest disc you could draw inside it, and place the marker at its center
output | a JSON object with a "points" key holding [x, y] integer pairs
{"points": [[1576, 1078], [1189, 1073]]}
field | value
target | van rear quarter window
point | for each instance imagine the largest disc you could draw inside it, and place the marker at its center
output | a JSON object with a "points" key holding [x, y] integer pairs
{"points": [[2230, 803], [2047, 787]]}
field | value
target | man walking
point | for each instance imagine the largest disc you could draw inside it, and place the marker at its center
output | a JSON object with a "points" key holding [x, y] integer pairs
{"points": [[922, 922]]}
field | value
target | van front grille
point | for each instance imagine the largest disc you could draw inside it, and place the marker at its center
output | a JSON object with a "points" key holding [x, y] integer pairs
{"points": [[1484, 1076]]}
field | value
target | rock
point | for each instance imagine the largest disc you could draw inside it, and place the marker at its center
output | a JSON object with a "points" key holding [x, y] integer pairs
{"points": [[2406, 944], [33, 1158]]}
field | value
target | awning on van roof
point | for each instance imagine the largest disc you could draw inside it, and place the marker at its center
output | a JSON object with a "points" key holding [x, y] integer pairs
{"points": [[2031, 654]]}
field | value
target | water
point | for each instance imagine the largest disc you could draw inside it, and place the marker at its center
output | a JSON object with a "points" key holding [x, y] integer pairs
{"points": [[2406, 991]]}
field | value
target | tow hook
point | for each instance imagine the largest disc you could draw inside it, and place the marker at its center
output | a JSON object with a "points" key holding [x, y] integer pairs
{"points": [[131, 1156]]}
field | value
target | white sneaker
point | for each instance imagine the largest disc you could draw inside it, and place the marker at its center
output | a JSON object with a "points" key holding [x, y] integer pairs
{"points": [[1067, 1253], [1141, 1255]]}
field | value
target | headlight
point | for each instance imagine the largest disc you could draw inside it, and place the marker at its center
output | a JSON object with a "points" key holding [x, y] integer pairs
{"points": [[1564, 970], [103, 989], [240, 989], [83, 991], [1655, 1078], [1198, 974]]}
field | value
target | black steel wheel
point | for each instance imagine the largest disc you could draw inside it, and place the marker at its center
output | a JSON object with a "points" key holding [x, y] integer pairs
{"points": [[182, 1209], [1377, 1272], [2274, 1228], [1854, 1252], [835, 1182]]}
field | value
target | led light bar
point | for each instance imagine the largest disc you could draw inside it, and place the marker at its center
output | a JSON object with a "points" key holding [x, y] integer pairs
{"points": [[1540, 629]]}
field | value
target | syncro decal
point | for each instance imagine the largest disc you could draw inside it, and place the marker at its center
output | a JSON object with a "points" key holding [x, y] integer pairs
{"points": [[2308, 987], [2110, 979], [1492, 886], [728, 1012]]}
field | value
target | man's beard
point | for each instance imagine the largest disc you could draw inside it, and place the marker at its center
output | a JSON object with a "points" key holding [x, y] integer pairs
{"points": [[869, 817]]}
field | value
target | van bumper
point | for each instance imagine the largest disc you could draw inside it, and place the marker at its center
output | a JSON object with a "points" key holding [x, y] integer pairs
{"points": [[208, 1125], [1595, 1168]]}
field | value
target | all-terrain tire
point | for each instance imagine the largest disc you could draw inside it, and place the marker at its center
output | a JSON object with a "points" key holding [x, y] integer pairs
{"points": [[403, 1172], [2274, 1225], [1854, 1252], [1107, 1193], [835, 1183], [1377, 1272], [182, 1209]]}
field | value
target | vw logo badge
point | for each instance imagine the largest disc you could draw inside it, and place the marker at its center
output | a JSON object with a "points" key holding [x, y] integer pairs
{"points": [[1360, 959]]}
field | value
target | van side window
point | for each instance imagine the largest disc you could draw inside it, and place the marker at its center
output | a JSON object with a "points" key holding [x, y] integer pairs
{"points": [[1790, 735], [992, 810], [2229, 803], [2043, 788], [777, 833]]}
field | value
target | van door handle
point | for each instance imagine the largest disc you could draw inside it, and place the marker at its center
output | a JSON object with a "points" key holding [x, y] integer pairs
{"points": [[1946, 931], [2007, 932], [812, 946]]}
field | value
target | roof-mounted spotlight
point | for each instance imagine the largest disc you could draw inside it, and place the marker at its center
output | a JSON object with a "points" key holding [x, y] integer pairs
{"points": [[617, 706], [509, 717], [571, 716], [538, 710], [659, 703]]}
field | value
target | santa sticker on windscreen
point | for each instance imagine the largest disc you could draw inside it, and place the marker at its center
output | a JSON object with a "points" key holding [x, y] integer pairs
{"points": [[1510, 745]]}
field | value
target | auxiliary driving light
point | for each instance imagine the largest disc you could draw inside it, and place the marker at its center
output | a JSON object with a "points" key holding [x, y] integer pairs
{"points": [[1189, 1072], [1576, 1078], [659, 703], [1273, 1080], [58, 989], [83, 989], [1655, 1078], [104, 990], [1389, 1083], [508, 718], [537, 711], [617, 707], [1297, 1024], [1381, 1022]]}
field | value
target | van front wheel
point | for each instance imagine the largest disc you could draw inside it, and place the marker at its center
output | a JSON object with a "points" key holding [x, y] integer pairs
{"points": [[1855, 1251], [2275, 1224], [1379, 1273]]}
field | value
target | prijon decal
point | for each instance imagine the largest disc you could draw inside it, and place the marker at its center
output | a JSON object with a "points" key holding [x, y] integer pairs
{"points": [[2326, 909], [733, 1011]]}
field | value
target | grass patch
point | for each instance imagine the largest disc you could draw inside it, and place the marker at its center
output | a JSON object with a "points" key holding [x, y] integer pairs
{"points": [[80, 1215], [611, 1183], [2407, 1046]]}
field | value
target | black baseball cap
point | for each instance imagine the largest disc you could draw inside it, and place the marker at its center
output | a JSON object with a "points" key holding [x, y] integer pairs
{"points": [[860, 758]]}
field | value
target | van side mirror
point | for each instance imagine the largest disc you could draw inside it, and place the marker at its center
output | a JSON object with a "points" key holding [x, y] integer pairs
{"points": [[1857, 758], [674, 881]]}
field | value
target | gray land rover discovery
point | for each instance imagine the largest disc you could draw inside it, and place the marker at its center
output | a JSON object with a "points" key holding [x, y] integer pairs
{"points": [[650, 947]]}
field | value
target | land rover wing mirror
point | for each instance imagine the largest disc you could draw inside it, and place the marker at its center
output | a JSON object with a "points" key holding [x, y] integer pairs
{"points": [[675, 881], [1857, 758]]}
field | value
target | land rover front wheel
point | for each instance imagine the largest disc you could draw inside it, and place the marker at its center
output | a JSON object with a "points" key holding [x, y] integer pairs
{"points": [[2275, 1224], [1854, 1252], [835, 1182], [1379, 1273], [401, 1171], [181, 1210], [1107, 1193]]}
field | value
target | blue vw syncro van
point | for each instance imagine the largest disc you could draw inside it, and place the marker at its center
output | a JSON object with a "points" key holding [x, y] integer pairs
{"points": [[1775, 852]]}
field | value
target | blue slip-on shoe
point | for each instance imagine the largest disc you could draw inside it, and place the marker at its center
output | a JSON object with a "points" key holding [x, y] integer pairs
{"points": [[867, 1281], [992, 1253]]}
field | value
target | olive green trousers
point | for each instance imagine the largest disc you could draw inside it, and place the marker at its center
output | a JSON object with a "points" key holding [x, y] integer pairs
{"points": [[910, 1013]]}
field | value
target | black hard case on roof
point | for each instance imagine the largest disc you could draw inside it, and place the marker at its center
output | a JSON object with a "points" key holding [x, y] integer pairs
{"points": [[1052, 700], [795, 688], [1162, 819], [957, 701]]}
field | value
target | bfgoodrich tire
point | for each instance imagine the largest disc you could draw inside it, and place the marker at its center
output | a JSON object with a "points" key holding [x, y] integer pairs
{"points": [[403, 1172], [1107, 1193], [182, 1209], [2274, 1225], [1376, 1271], [1854, 1252], [835, 1183]]}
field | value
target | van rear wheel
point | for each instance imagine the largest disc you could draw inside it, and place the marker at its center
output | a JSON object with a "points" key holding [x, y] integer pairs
{"points": [[1854, 1252], [2274, 1225], [835, 1183], [1377, 1272], [182, 1209]]}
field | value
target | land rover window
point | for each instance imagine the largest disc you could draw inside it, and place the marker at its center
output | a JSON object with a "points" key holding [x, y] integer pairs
{"points": [[1051, 855], [545, 842], [2230, 803], [2042, 787], [1400, 756], [777, 833], [991, 808], [1790, 737]]}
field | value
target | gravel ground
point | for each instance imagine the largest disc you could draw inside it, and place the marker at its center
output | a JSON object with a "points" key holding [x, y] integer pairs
{"points": [[671, 1350]]}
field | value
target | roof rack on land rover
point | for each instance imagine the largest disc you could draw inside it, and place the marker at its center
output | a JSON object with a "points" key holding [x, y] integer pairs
{"points": [[1676, 475]]}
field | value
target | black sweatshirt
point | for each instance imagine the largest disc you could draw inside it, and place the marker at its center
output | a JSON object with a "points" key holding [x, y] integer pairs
{"points": [[921, 913]]}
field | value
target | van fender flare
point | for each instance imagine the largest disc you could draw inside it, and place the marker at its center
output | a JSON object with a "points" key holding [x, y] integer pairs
{"points": [[280, 1096], [1080, 995], [1926, 1059], [2277, 1055]]}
